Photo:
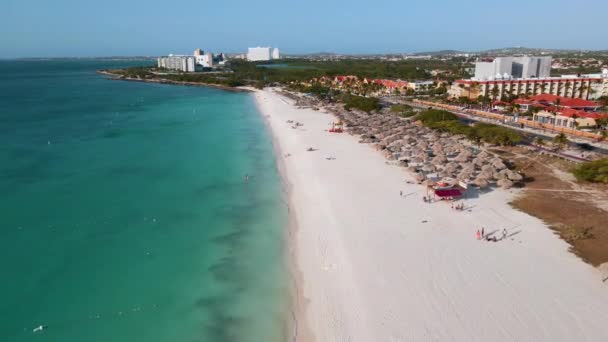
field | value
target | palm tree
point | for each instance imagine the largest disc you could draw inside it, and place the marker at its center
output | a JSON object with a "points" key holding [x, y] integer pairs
{"points": [[494, 92], [560, 141], [539, 141], [554, 113], [574, 117], [560, 86], [581, 89], [568, 87]]}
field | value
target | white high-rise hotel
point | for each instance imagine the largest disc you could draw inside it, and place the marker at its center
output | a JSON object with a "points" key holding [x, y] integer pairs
{"points": [[262, 54], [527, 76], [513, 67]]}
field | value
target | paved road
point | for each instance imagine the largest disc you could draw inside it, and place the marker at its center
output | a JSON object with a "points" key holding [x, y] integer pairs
{"points": [[530, 134]]}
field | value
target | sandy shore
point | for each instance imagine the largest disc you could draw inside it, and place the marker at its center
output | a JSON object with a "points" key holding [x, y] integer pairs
{"points": [[377, 266]]}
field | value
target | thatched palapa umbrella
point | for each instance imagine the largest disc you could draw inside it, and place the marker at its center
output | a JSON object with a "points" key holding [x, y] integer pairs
{"points": [[505, 183]]}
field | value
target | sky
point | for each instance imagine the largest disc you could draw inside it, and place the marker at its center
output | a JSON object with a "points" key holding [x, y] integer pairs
{"points": [[86, 28]]}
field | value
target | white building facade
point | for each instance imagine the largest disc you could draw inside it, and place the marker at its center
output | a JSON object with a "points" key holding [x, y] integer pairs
{"points": [[255, 54], [259, 54], [179, 63], [513, 67], [586, 87]]}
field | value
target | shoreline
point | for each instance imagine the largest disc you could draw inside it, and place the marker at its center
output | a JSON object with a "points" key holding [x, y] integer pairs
{"points": [[369, 265], [296, 302], [117, 77]]}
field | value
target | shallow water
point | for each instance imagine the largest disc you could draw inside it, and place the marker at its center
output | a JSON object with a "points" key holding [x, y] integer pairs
{"points": [[124, 213]]}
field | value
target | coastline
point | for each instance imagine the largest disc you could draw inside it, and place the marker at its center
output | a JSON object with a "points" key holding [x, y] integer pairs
{"points": [[297, 302], [116, 77], [369, 265]]}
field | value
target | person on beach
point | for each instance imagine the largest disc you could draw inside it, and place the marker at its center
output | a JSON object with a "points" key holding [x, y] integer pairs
{"points": [[477, 235], [401, 193], [504, 234], [483, 232]]}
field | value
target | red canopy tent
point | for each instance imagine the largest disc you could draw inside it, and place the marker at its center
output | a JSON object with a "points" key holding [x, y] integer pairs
{"points": [[453, 192]]}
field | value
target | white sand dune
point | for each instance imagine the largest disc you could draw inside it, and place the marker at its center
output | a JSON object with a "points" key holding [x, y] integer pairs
{"points": [[379, 267]]}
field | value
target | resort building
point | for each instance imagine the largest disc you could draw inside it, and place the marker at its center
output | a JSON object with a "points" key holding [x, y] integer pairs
{"points": [[545, 101], [256, 54], [276, 54], [591, 86], [420, 85], [204, 60], [568, 118], [179, 63], [513, 67]]}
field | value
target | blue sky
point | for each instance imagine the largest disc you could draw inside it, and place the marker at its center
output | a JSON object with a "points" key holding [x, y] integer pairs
{"points": [[54, 28]]}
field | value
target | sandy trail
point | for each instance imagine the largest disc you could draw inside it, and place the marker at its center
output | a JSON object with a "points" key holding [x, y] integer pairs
{"points": [[377, 266]]}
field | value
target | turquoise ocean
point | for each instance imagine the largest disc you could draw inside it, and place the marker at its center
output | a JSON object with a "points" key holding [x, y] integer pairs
{"points": [[124, 213]]}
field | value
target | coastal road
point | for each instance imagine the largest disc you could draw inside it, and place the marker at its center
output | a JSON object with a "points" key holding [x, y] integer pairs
{"points": [[530, 134]]}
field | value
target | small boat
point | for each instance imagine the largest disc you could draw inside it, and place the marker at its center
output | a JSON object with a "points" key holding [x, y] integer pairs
{"points": [[38, 328]]}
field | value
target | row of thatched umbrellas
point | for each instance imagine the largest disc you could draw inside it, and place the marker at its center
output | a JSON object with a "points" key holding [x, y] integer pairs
{"points": [[427, 152]]}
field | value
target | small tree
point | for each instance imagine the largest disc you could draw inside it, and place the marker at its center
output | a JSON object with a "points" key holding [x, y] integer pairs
{"points": [[539, 141], [560, 141]]}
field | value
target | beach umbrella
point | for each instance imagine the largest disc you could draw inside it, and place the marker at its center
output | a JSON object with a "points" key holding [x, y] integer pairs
{"points": [[498, 164], [504, 183], [481, 182], [439, 160], [428, 168], [462, 157], [477, 161], [514, 176], [489, 168], [483, 154], [502, 174], [464, 175]]}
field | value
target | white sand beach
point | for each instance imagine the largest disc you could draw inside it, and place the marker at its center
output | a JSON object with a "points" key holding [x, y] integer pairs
{"points": [[377, 266]]}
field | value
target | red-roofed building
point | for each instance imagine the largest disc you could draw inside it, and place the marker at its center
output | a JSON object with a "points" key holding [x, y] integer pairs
{"points": [[568, 117], [554, 100]]}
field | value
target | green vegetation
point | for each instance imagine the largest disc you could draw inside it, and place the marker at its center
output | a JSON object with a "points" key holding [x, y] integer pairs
{"points": [[560, 141], [403, 110], [595, 171], [448, 122], [431, 116], [497, 135], [539, 141], [366, 104]]}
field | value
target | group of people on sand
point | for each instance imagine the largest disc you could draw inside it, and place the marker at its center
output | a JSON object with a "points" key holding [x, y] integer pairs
{"points": [[458, 206], [481, 235]]}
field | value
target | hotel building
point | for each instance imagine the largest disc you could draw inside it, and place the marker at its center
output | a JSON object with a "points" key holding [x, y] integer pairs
{"points": [[179, 63], [591, 86], [255, 54]]}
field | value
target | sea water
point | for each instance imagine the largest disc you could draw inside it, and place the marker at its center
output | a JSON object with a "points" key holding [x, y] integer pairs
{"points": [[125, 213]]}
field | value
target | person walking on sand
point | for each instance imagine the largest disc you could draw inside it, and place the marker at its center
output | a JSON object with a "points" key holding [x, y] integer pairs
{"points": [[504, 233], [477, 235], [483, 232], [401, 193]]}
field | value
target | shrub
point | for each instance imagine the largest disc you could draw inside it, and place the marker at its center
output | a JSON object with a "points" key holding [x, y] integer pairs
{"points": [[433, 115], [497, 135], [366, 104], [595, 171]]}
